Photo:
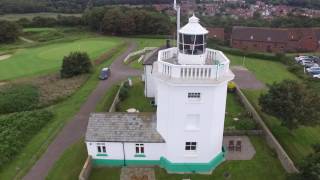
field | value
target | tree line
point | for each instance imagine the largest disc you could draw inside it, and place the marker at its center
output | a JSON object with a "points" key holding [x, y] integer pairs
{"points": [[127, 21], [64, 6]]}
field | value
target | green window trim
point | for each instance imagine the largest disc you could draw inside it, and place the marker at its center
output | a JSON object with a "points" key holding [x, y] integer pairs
{"points": [[139, 155], [102, 155]]}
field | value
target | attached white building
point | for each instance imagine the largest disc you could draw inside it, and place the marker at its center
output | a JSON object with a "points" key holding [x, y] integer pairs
{"points": [[189, 83]]}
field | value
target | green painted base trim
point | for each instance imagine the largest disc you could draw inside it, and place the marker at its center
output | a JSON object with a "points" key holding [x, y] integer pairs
{"points": [[192, 167], [105, 155], [166, 164], [140, 155]]}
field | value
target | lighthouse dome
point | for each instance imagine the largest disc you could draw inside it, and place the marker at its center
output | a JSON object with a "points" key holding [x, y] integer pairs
{"points": [[193, 27]]}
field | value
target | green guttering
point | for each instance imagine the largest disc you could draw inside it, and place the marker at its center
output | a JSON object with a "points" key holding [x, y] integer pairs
{"points": [[166, 164]]}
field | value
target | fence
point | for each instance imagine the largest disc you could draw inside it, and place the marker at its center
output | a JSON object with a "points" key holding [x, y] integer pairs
{"points": [[285, 160], [115, 100], [85, 172]]}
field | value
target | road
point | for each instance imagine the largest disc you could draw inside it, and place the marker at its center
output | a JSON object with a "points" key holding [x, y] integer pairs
{"points": [[75, 129]]}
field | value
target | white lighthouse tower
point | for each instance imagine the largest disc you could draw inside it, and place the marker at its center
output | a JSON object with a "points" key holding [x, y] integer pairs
{"points": [[191, 89], [189, 84]]}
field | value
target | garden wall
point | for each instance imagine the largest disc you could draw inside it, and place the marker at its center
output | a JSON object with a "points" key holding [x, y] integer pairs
{"points": [[285, 160], [115, 100], [86, 170]]}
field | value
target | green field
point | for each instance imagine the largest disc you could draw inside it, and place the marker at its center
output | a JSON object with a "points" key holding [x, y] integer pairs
{"points": [[48, 58], [136, 99], [14, 17], [63, 112], [297, 143], [264, 70]]}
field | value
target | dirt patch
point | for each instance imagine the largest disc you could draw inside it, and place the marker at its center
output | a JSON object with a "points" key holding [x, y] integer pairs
{"points": [[4, 57], [245, 79]]}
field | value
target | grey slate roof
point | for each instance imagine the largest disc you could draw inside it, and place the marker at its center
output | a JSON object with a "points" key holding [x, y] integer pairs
{"points": [[123, 127]]}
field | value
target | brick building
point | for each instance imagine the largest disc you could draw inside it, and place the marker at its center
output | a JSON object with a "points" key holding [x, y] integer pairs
{"points": [[276, 39], [216, 33]]}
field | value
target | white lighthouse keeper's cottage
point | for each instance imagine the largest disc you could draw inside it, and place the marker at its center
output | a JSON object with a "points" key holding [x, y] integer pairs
{"points": [[189, 83]]}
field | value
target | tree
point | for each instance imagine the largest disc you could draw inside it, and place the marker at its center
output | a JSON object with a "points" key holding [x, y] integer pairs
{"points": [[9, 31], [310, 168], [293, 103], [75, 64]]}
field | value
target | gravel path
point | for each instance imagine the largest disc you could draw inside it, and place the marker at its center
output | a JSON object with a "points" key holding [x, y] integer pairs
{"points": [[76, 128], [245, 79]]}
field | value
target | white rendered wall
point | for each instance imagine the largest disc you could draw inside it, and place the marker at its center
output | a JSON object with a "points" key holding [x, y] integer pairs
{"points": [[114, 150], [149, 87], [153, 151], [172, 111]]}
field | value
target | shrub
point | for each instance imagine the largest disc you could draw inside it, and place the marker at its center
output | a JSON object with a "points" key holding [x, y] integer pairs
{"points": [[231, 87], [18, 97], [124, 92], [75, 64], [246, 124], [17, 129], [9, 31]]}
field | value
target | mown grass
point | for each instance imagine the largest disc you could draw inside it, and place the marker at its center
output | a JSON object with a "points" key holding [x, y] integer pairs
{"points": [[136, 99], [235, 109], [70, 163], [297, 143], [15, 17], [266, 71], [102, 173], [107, 100], [63, 112], [48, 58]]}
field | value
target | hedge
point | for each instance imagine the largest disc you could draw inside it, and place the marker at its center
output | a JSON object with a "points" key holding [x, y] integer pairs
{"points": [[17, 129]]}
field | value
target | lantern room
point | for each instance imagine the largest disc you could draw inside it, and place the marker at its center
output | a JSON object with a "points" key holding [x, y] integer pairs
{"points": [[192, 42]]}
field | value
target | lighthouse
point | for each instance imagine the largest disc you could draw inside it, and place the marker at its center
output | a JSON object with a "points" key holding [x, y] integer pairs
{"points": [[191, 90], [189, 85]]}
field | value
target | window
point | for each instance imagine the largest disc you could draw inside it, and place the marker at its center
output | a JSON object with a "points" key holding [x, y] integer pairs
{"points": [[101, 147], [191, 146], [195, 95], [139, 148], [192, 122]]}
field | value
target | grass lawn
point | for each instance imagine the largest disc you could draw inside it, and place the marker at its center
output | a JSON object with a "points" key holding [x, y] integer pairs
{"points": [[63, 112], [235, 109], [263, 166], [147, 42], [102, 173], [15, 17], [136, 99], [265, 71], [48, 58], [107, 100], [70, 163], [297, 143]]}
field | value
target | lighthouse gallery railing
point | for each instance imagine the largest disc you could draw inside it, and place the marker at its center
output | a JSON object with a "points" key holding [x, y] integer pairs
{"points": [[217, 64]]}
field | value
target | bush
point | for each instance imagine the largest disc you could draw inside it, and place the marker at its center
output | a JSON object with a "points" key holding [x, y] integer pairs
{"points": [[9, 31], [124, 92], [17, 129], [75, 64], [18, 97], [246, 124], [231, 87]]}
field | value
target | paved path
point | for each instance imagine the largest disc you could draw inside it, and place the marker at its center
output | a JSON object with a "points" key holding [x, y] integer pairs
{"points": [[247, 151], [245, 79], [137, 173], [75, 128]]}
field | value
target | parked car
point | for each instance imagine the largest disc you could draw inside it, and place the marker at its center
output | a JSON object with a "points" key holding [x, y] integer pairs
{"points": [[105, 73], [310, 64], [315, 59], [316, 76], [313, 70], [299, 58]]}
